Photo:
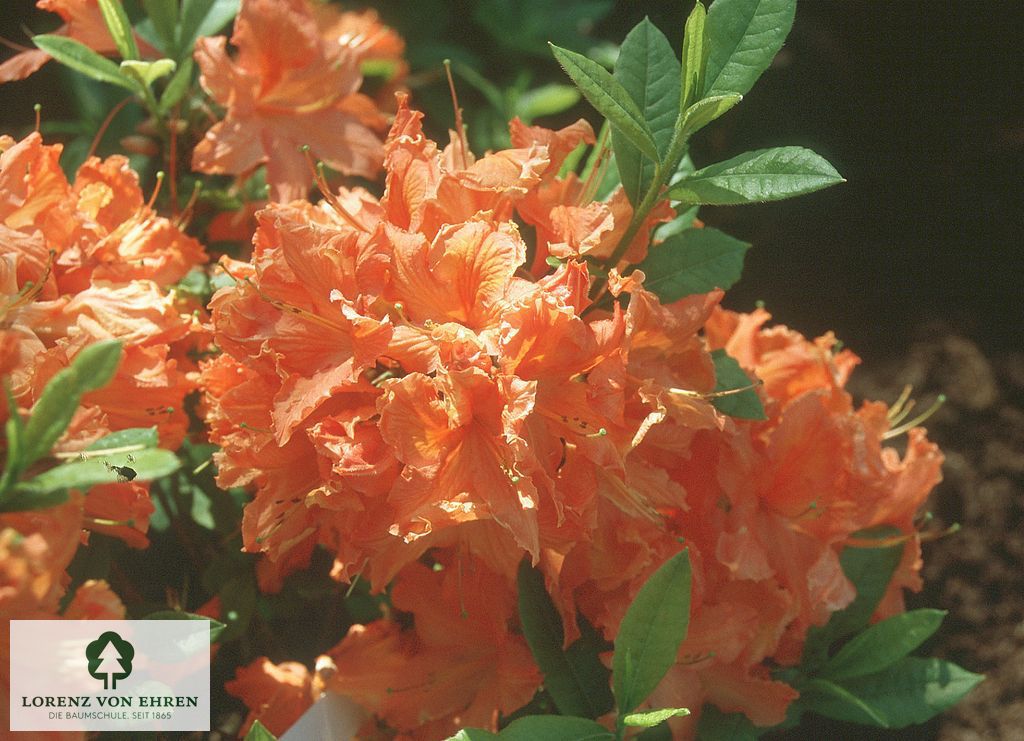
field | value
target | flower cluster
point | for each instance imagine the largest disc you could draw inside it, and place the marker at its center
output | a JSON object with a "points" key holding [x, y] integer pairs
{"points": [[82, 262], [403, 384]]}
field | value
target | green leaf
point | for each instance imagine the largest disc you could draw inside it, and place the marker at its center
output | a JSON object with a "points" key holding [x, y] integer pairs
{"points": [[22, 499], [135, 438], [729, 376], [216, 627], [652, 718], [706, 110], [82, 474], [148, 72], [202, 18], [473, 734], [120, 28], [525, 26], [580, 688], [883, 644], [757, 177], [695, 57], [743, 38], [554, 728], [178, 85], [833, 701], [14, 428], [163, 14], [259, 732], [648, 70], [693, 261], [911, 691], [608, 96], [91, 369], [546, 100], [654, 626], [81, 58], [715, 725], [870, 569]]}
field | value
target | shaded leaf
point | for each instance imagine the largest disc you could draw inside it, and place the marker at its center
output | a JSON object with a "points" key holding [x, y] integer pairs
{"points": [[729, 375], [163, 15], [554, 728], [578, 684], [608, 96], [883, 644], [911, 691], [546, 100], [693, 261], [715, 725], [654, 626]]}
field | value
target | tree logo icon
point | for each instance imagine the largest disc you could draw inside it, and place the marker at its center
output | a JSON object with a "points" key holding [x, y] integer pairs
{"points": [[110, 659]]}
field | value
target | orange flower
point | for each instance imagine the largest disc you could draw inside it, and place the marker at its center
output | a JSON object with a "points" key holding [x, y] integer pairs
{"points": [[287, 87]]}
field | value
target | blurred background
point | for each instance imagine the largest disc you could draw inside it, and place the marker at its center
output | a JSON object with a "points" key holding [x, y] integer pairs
{"points": [[915, 262]]}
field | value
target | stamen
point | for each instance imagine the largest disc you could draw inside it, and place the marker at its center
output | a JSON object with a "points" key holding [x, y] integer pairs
{"points": [[156, 189], [38, 108], [202, 467], [897, 406], [459, 128], [714, 394], [895, 431], [186, 213], [320, 180], [282, 305], [355, 579], [595, 168], [247, 426], [600, 433]]}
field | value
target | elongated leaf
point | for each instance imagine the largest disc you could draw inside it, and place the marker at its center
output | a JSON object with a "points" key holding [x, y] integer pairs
{"points": [[81, 58], [693, 261], [757, 177], [546, 100], [883, 644], [718, 726], [651, 631], [704, 111], [648, 70], [120, 28], [177, 86], [729, 376], [216, 627], [92, 368], [14, 428], [870, 570], [695, 57], [134, 437], [554, 728], [163, 14], [743, 38], [608, 96], [652, 718], [911, 691], [202, 18], [577, 683], [82, 474], [835, 701]]}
